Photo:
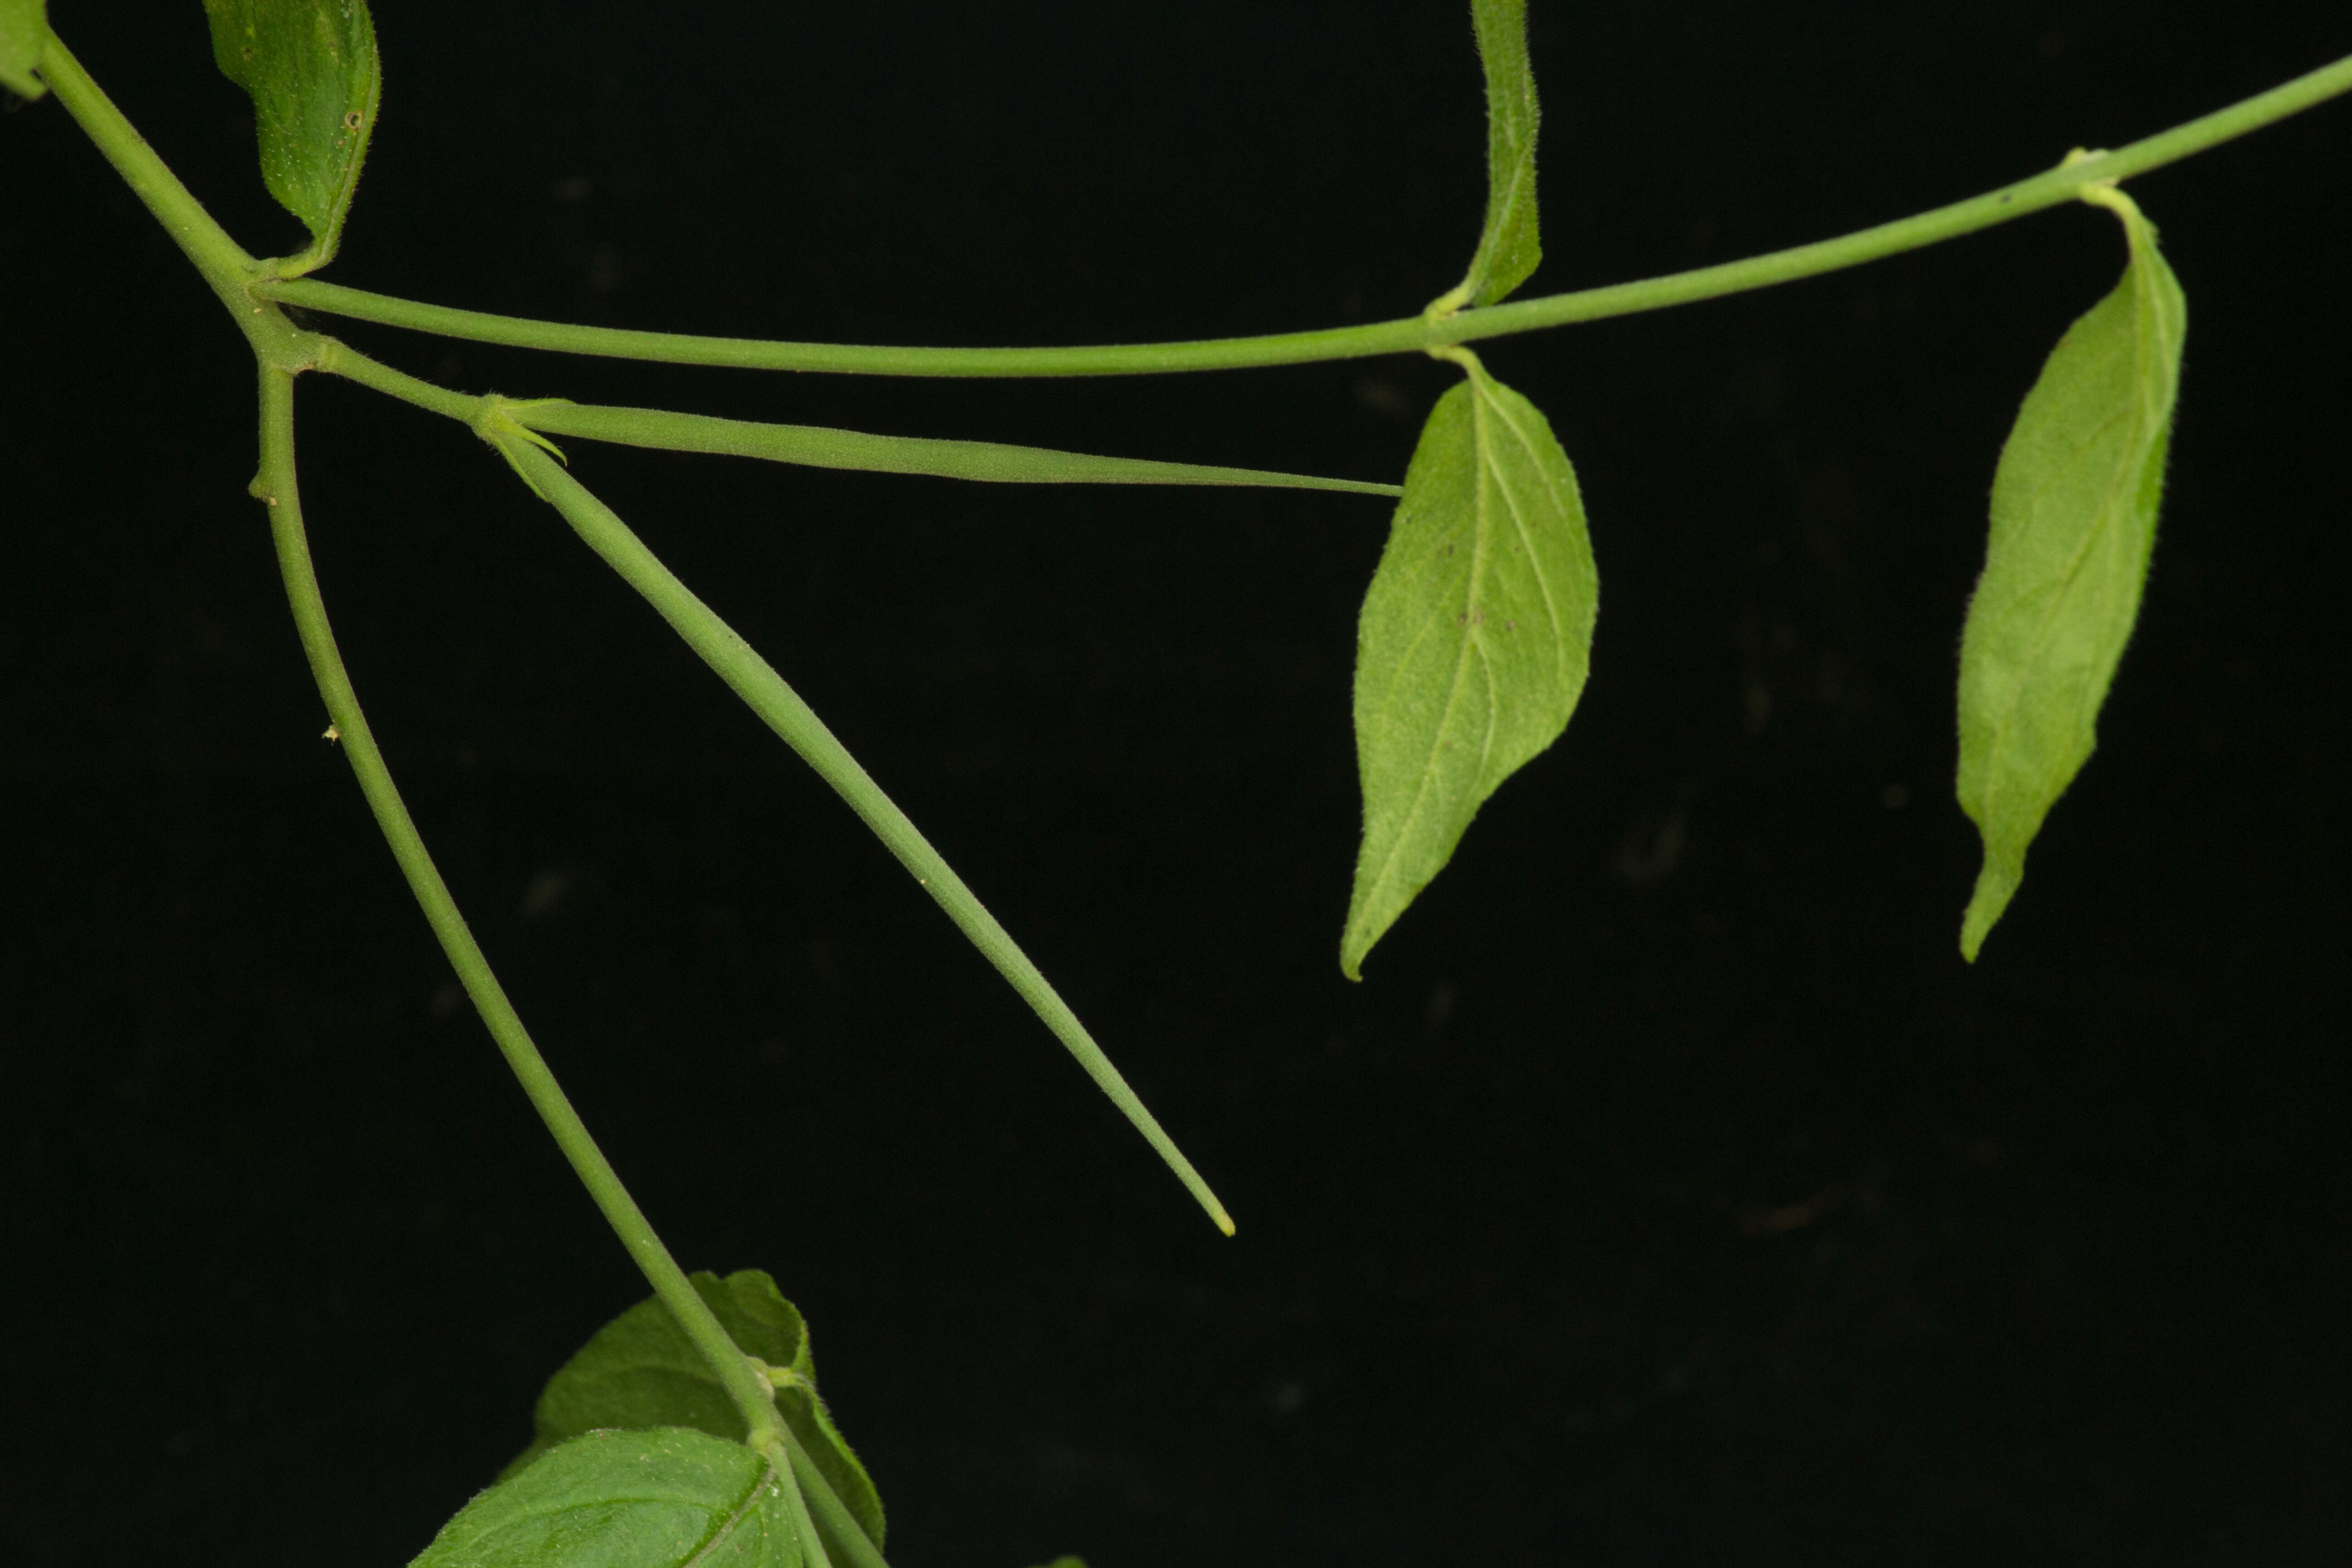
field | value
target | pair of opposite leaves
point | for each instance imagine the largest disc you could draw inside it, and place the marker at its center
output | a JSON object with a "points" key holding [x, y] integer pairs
{"points": [[1476, 636]]}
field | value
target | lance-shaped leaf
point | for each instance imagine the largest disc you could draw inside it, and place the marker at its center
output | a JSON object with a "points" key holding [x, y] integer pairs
{"points": [[1474, 639], [23, 36], [311, 70], [640, 1371], [2074, 519], [662, 1498], [1509, 246], [819, 446]]}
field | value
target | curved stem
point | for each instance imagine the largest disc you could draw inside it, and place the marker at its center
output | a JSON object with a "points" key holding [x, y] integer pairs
{"points": [[222, 262], [276, 487], [766, 693], [1414, 332]]}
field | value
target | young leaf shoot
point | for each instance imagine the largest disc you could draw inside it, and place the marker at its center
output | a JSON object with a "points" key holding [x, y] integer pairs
{"points": [[24, 38], [1508, 245], [312, 70], [1474, 642], [2074, 519]]}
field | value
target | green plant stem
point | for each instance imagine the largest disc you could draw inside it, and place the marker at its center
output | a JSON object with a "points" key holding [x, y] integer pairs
{"points": [[780, 1460], [223, 263], [833, 1515], [1412, 333], [276, 488], [765, 693]]}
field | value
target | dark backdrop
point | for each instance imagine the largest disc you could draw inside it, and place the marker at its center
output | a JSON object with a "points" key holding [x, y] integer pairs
{"points": [[1670, 1191]]}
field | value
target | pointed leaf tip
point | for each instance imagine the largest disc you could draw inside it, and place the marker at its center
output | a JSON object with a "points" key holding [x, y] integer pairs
{"points": [[2074, 522], [311, 68], [24, 40], [1474, 643]]}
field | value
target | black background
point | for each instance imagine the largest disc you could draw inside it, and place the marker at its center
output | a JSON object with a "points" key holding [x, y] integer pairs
{"points": [[1670, 1192]]}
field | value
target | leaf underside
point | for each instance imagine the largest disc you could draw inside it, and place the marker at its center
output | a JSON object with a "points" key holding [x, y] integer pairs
{"points": [[1474, 643], [669, 1498], [1508, 245], [24, 38], [311, 68], [2074, 522], [641, 1371]]}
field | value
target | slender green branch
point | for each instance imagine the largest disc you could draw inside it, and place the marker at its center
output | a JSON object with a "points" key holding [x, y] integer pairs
{"points": [[779, 1464], [766, 693], [222, 262], [278, 489], [833, 1515], [339, 358], [1414, 332]]}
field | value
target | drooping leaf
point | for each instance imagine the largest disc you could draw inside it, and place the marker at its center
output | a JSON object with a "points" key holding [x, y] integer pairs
{"points": [[660, 1498], [1474, 639], [640, 1371], [23, 36], [2073, 521], [310, 67], [1509, 246]]}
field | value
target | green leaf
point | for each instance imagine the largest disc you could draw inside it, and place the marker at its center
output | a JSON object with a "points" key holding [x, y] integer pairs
{"points": [[2074, 519], [822, 448], [662, 1498], [1474, 639], [310, 67], [1508, 247], [640, 1371], [24, 38]]}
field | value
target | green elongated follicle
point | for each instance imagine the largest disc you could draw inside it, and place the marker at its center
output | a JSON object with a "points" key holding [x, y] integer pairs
{"points": [[819, 446], [765, 692]]}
